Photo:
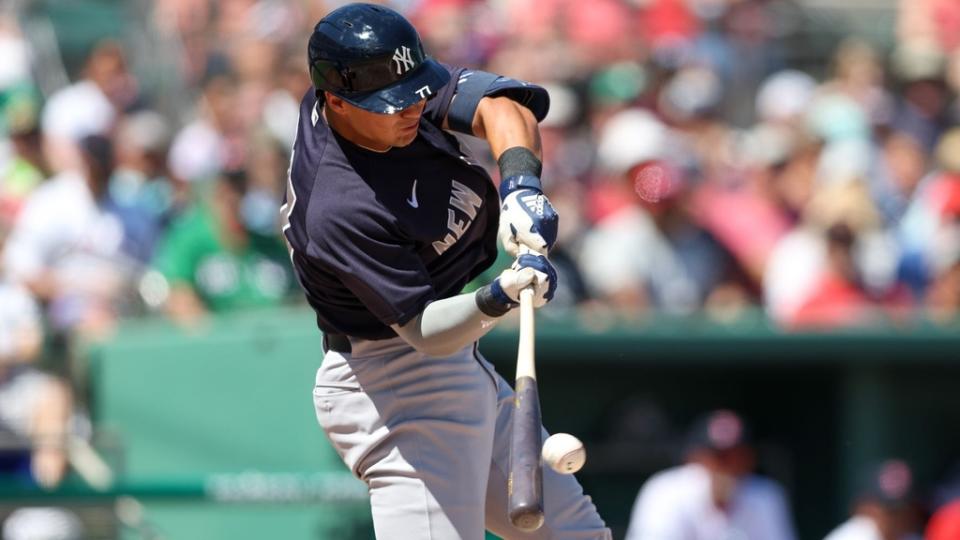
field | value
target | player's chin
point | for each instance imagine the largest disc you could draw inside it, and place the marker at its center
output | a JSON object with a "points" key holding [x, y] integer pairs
{"points": [[406, 136]]}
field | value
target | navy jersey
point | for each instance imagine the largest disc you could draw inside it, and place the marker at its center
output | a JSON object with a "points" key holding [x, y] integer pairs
{"points": [[375, 237]]}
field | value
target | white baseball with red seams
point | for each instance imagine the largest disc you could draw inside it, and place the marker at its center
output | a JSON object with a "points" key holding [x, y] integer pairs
{"points": [[564, 453]]}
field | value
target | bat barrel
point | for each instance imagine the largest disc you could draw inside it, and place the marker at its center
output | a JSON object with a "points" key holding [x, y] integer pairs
{"points": [[526, 482]]}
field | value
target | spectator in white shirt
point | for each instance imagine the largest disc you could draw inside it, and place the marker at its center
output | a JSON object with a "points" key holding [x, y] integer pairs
{"points": [[35, 408], [714, 495], [66, 245], [885, 508]]}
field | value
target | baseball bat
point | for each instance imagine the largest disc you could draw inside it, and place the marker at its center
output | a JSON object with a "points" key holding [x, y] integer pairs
{"points": [[525, 485]]}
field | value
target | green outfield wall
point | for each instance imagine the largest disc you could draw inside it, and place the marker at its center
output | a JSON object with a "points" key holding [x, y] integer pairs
{"points": [[231, 399]]}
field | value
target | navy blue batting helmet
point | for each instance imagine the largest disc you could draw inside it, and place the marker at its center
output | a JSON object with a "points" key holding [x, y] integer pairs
{"points": [[372, 57]]}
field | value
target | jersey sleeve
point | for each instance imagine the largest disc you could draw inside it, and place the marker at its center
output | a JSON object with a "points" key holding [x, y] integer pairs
{"points": [[375, 261], [458, 101]]}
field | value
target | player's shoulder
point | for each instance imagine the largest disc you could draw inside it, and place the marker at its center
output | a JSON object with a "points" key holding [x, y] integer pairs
{"points": [[313, 134], [343, 206]]}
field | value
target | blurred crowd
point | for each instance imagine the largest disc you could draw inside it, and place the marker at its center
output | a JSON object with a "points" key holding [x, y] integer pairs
{"points": [[702, 160], [716, 493]]}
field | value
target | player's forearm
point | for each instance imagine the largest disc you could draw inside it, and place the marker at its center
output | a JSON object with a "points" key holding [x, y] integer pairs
{"points": [[448, 325], [504, 123]]}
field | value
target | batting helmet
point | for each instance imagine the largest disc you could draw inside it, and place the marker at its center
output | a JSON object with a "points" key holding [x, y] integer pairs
{"points": [[372, 57]]}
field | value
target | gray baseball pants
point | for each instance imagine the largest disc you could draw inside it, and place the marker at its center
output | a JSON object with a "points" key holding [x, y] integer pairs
{"points": [[430, 437]]}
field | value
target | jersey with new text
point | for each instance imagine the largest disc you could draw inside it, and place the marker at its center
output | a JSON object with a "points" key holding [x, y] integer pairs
{"points": [[375, 237]]}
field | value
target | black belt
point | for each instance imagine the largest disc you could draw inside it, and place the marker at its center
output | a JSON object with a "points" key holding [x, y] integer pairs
{"points": [[337, 343]]}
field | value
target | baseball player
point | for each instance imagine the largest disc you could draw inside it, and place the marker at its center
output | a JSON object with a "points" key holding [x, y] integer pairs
{"points": [[387, 219]]}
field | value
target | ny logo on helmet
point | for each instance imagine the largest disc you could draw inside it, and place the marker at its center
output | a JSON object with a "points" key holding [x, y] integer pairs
{"points": [[403, 59]]}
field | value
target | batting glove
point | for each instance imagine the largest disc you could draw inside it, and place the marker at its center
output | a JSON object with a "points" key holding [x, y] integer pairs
{"points": [[527, 270], [526, 216]]}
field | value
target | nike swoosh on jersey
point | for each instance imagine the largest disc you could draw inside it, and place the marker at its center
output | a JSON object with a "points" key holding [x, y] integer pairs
{"points": [[412, 201]]}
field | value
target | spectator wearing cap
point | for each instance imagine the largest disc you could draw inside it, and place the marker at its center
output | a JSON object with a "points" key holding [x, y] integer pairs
{"points": [[714, 494], [647, 249], [884, 508]]}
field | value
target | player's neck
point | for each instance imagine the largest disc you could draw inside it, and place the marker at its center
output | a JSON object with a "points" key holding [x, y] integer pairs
{"points": [[348, 132]]}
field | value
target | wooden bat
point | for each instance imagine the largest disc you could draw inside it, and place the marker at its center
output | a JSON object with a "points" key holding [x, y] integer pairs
{"points": [[525, 485]]}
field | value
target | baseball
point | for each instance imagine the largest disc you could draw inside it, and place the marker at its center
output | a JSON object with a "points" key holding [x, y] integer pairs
{"points": [[564, 453]]}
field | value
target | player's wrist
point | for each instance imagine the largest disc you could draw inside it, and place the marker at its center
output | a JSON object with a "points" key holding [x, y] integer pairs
{"points": [[493, 301], [519, 169]]}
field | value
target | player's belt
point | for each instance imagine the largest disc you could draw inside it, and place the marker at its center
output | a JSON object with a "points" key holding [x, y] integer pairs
{"points": [[337, 343]]}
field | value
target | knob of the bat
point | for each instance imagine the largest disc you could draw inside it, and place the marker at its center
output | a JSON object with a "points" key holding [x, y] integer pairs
{"points": [[527, 519]]}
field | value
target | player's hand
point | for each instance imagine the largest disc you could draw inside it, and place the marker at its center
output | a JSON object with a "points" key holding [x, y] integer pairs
{"points": [[527, 270], [526, 218]]}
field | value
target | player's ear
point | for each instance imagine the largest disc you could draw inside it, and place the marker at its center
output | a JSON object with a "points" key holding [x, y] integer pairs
{"points": [[334, 103]]}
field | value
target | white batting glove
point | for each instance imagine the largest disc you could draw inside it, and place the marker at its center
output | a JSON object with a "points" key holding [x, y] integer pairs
{"points": [[527, 270], [527, 219]]}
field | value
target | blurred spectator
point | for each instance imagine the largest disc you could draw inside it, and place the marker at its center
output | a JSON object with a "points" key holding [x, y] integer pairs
{"points": [[714, 494], [450, 29], [945, 523], [213, 142], [784, 97], [281, 108], [838, 269], [935, 21], [943, 294], [42, 524], [919, 68], [68, 243], [34, 408], [90, 106], [927, 231], [885, 506], [25, 168], [903, 164], [16, 54], [646, 249], [141, 188], [858, 75], [213, 261]]}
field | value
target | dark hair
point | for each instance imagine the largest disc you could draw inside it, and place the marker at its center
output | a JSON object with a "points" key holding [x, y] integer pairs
{"points": [[99, 151], [236, 179]]}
